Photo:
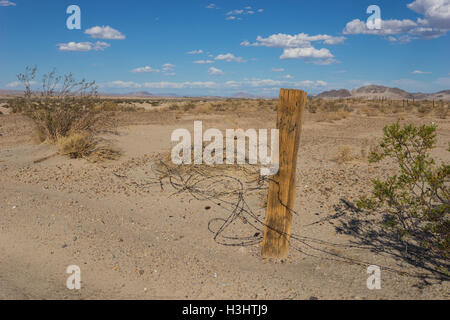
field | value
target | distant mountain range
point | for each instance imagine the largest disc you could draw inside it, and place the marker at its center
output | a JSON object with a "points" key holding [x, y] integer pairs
{"points": [[380, 92], [367, 92], [244, 95]]}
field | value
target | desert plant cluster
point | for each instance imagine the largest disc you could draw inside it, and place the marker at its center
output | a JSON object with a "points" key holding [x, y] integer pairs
{"points": [[416, 200], [66, 112]]}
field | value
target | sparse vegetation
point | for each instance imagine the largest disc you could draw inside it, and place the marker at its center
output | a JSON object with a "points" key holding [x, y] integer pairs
{"points": [[66, 112], [416, 201], [345, 155]]}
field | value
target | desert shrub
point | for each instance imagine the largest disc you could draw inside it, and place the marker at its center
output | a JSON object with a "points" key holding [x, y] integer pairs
{"points": [[174, 106], [416, 200], [77, 145], [344, 155], [424, 109], [63, 106], [189, 106], [442, 111], [332, 116], [84, 145], [311, 107], [108, 105]]}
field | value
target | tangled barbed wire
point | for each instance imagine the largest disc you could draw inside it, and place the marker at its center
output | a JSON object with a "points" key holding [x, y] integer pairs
{"points": [[229, 187]]}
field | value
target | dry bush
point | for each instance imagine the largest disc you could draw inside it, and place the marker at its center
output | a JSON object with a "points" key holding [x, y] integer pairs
{"points": [[333, 116], [77, 145], [64, 112], [424, 109], [203, 108], [84, 145], [344, 155], [59, 113], [368, 111], [442, 111], [189, 106]]}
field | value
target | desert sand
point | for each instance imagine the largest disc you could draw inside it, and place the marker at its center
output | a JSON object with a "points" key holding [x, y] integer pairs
{"points": [[136, 236]]}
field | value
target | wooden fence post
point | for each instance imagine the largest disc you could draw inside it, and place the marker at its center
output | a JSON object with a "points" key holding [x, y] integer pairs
{"points": [[291, 110]]}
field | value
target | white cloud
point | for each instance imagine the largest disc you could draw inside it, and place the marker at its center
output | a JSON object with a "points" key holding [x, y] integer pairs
{"points": [[215, 72], [299, 46], [6, 3], [168, 69], [195, 52], [420, 72], [203, 61], [144, 69], [211, 6], [435, 22], [120, 84], [320, 57], [278, 69], [235, 12], [232, 15], [445, 82], [435, 12], [83, 46], [301, 53], [159, 85], [229, 57], [16, 84], [282, 40], [288, 76], [270, 83], [104, 33]]}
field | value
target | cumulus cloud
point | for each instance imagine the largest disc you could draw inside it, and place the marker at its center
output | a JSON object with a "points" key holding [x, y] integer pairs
{"points": [[104, 33], [195, 52], [301, 53], [203, 61], [215, 72], [435, 23], [282, 40], [300, 46], [159, 85], [144, 70], [168, 69], [270, 83], [6, 3], [420, 72], [229, 57], [435, 12], [234, 14], [83, 46]]}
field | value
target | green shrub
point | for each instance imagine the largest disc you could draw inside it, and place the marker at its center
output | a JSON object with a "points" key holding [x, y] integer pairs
{"points": [[417, 199]]}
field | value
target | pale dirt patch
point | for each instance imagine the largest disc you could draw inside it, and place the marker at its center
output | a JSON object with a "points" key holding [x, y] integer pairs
{"points": [[134, 237]]}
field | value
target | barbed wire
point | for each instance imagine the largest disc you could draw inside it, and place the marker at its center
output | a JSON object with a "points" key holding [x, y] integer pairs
{"points": [[230, 192]]}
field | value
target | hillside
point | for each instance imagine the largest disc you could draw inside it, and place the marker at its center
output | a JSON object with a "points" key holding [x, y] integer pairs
{"points": [[382, 92]]}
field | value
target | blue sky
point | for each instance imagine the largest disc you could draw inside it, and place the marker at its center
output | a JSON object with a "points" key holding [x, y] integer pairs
{"points": [[221, 47]]}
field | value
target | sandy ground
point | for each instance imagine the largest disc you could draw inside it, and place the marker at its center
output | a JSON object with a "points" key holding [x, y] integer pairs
{"points": [[134, 239]]}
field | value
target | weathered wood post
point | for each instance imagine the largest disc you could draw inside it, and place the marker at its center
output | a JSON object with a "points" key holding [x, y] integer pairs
{"points": [[291, 110]]}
